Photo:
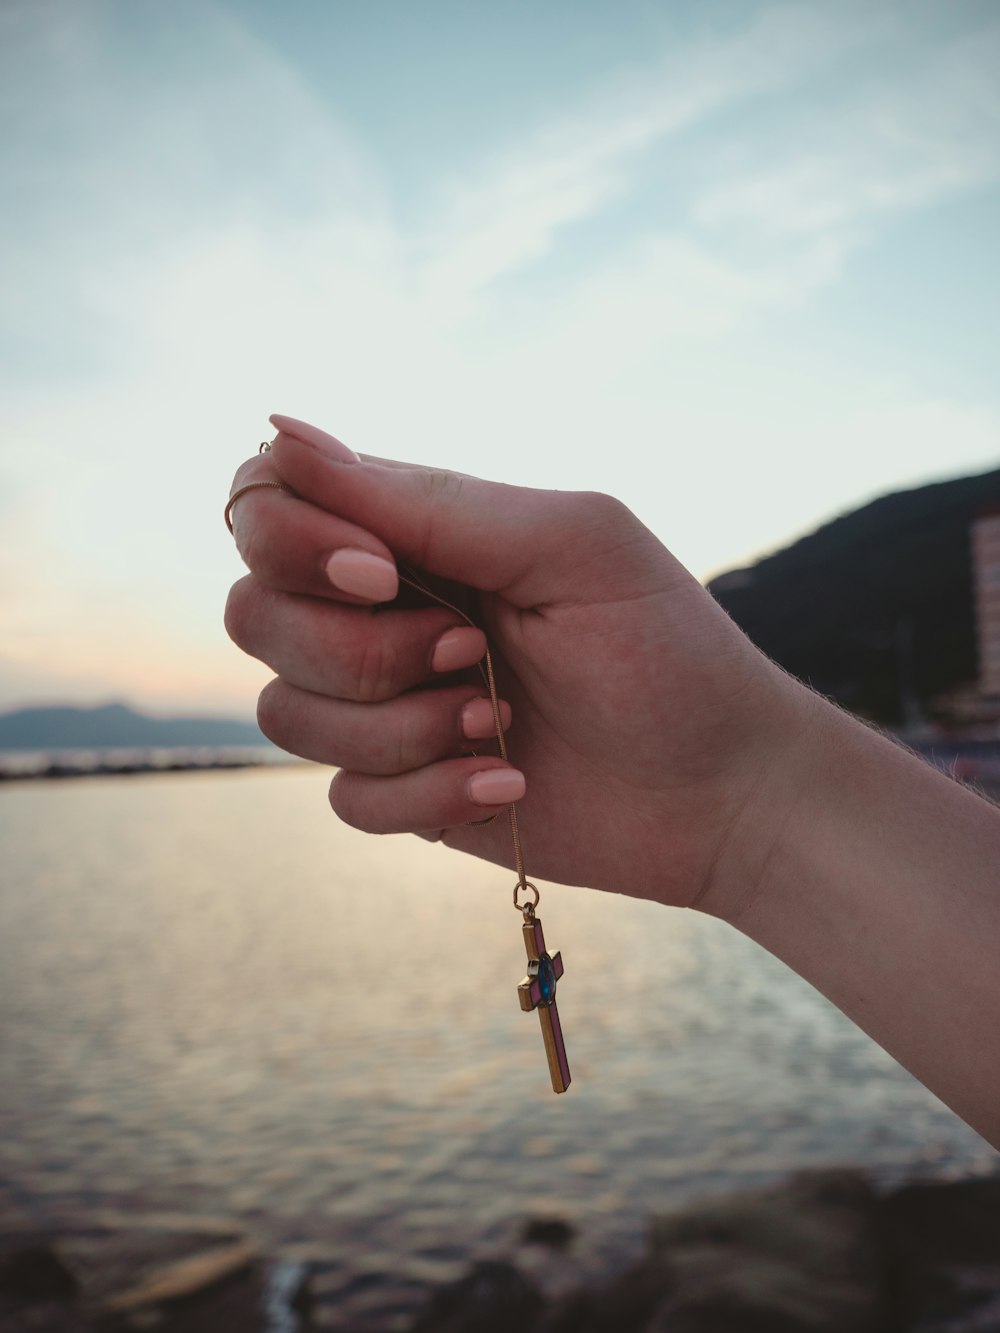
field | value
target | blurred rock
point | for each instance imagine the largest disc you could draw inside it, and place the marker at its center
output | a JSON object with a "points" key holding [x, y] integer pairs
{"points": [[259, 1299], [803, 1254], [31, 1269], [37, 1289], [942, 1253], [554, 1232], [493, 1298], [797, 1256], [818, 1253], [175, 1281], [185, 1278]]}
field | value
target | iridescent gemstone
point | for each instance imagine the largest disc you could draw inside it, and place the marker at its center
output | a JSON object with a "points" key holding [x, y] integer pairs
{"points": [[546, 979]]}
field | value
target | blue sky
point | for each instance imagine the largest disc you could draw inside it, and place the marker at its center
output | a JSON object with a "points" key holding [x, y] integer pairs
{"points": [[734, 262]]}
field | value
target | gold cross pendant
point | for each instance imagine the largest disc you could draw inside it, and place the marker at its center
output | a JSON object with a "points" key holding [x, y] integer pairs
{"points": [[538, 991]]}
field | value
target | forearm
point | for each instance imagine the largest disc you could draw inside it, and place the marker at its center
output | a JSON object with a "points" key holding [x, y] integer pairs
{"points": [[882, 890]]}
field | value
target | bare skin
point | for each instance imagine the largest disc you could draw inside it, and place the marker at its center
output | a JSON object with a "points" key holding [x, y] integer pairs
{"points": [[681, 764]]}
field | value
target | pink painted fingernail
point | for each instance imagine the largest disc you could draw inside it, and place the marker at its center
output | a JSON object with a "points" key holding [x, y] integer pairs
{"points": [[477, 719], [330, 445], [460, 647], [363, 574], [496, 786]]}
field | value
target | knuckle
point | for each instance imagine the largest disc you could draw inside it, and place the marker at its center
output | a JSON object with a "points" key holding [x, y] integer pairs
{"points": [[414, 741], [435, 488], [257, 468], [438, 484], [599, 525], [603, 511], [345, 804], [273, 712], [373, 669], [238, 615], [258, 551]]}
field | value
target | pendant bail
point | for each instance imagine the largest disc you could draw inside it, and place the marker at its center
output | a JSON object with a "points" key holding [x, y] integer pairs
{"points": [[523, 885]]}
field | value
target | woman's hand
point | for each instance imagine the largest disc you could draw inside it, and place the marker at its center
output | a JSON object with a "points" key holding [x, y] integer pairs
{"points": [[664, 756], [647, 727]]}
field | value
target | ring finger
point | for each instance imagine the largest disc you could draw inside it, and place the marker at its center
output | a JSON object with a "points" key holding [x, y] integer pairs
{"points": [[392, 737]]}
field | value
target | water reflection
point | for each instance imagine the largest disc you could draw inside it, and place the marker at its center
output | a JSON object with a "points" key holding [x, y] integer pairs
{"points": [[217, 998]]}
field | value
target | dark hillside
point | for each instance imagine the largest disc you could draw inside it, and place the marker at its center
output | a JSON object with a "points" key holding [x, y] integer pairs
{"points": [[848, 607]]}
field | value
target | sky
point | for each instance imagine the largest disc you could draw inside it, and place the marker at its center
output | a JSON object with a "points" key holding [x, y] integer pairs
{"points": [[736, 263]]}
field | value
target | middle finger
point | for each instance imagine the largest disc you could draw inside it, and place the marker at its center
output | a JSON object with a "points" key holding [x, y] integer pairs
{"points": [[354, 653]]}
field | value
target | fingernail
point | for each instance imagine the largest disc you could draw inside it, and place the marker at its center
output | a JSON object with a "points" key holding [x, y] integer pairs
{"points": [[496, 786], [363, 574], [457, 648], [313, 435], [477, 720]]}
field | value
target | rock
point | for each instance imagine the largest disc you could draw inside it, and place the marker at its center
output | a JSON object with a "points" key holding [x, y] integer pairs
{"points": [[37, 1288], [259, 1300], [942, 1248], [554, 1232], [110, 1261], [32, 1270], [493, 1298], [798, 1256], [185, 1278], [171, 1282], [42, 1317]]}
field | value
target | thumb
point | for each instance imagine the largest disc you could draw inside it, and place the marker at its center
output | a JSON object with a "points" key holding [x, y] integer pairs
{"points": [[527, 544]]}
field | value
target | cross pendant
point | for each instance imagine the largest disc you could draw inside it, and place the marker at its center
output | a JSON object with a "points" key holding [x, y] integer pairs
{"points": [[538, 991]]}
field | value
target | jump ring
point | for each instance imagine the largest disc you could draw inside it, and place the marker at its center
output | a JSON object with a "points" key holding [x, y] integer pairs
{"points": [[526, 884]]}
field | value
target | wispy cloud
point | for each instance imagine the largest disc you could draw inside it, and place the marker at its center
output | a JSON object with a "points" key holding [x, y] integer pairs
{"points": [[851, 164], [513, 210], [766, 212], [200, 240]]}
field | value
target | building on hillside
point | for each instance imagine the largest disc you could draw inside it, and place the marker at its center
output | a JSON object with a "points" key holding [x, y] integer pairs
{"points": [[986, 586]]}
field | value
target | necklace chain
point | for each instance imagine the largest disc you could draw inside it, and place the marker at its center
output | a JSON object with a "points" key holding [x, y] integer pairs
{"points": [[523, 885]]}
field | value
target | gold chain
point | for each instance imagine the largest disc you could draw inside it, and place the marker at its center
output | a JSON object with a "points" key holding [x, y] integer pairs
{"points": [[412, 579], [523, 884]]}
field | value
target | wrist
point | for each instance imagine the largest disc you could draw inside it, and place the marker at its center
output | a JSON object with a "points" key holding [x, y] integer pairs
{"points": [[783, 778], [876, 883]]}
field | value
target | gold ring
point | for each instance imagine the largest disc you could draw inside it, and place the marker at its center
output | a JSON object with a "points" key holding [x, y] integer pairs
{"points": [[252, 486]]}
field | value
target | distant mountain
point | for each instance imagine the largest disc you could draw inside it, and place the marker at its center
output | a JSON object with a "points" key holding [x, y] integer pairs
{"points": [[876, 604], [115, 726]]}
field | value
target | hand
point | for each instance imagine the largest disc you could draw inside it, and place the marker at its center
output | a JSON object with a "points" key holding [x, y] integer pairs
{"points": [[665, 757], [654, 738]]}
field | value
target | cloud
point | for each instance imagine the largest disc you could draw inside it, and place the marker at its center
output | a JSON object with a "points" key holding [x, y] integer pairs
{"points": [[512, 211], [139, 145], [201, 241], [848, 164], [876, 122]]}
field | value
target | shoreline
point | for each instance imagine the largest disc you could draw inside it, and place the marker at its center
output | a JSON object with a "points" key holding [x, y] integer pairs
{"points": [[825, 1250], [60, 765]]}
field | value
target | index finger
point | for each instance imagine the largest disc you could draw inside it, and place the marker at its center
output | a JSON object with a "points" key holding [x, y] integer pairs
{"points": [[292, 545]]}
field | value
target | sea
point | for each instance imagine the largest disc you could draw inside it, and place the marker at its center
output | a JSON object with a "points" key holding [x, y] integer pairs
{"points": [[217, 1001]]}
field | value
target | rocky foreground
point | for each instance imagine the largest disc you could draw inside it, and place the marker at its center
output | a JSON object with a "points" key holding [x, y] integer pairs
{"points": [[823, 1252]]}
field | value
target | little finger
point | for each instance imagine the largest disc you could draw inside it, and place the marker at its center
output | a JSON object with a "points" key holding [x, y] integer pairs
{"points": [[443, 795]]}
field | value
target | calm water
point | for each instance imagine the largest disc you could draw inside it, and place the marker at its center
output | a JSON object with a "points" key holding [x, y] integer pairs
{"points": [[217, 999]]}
